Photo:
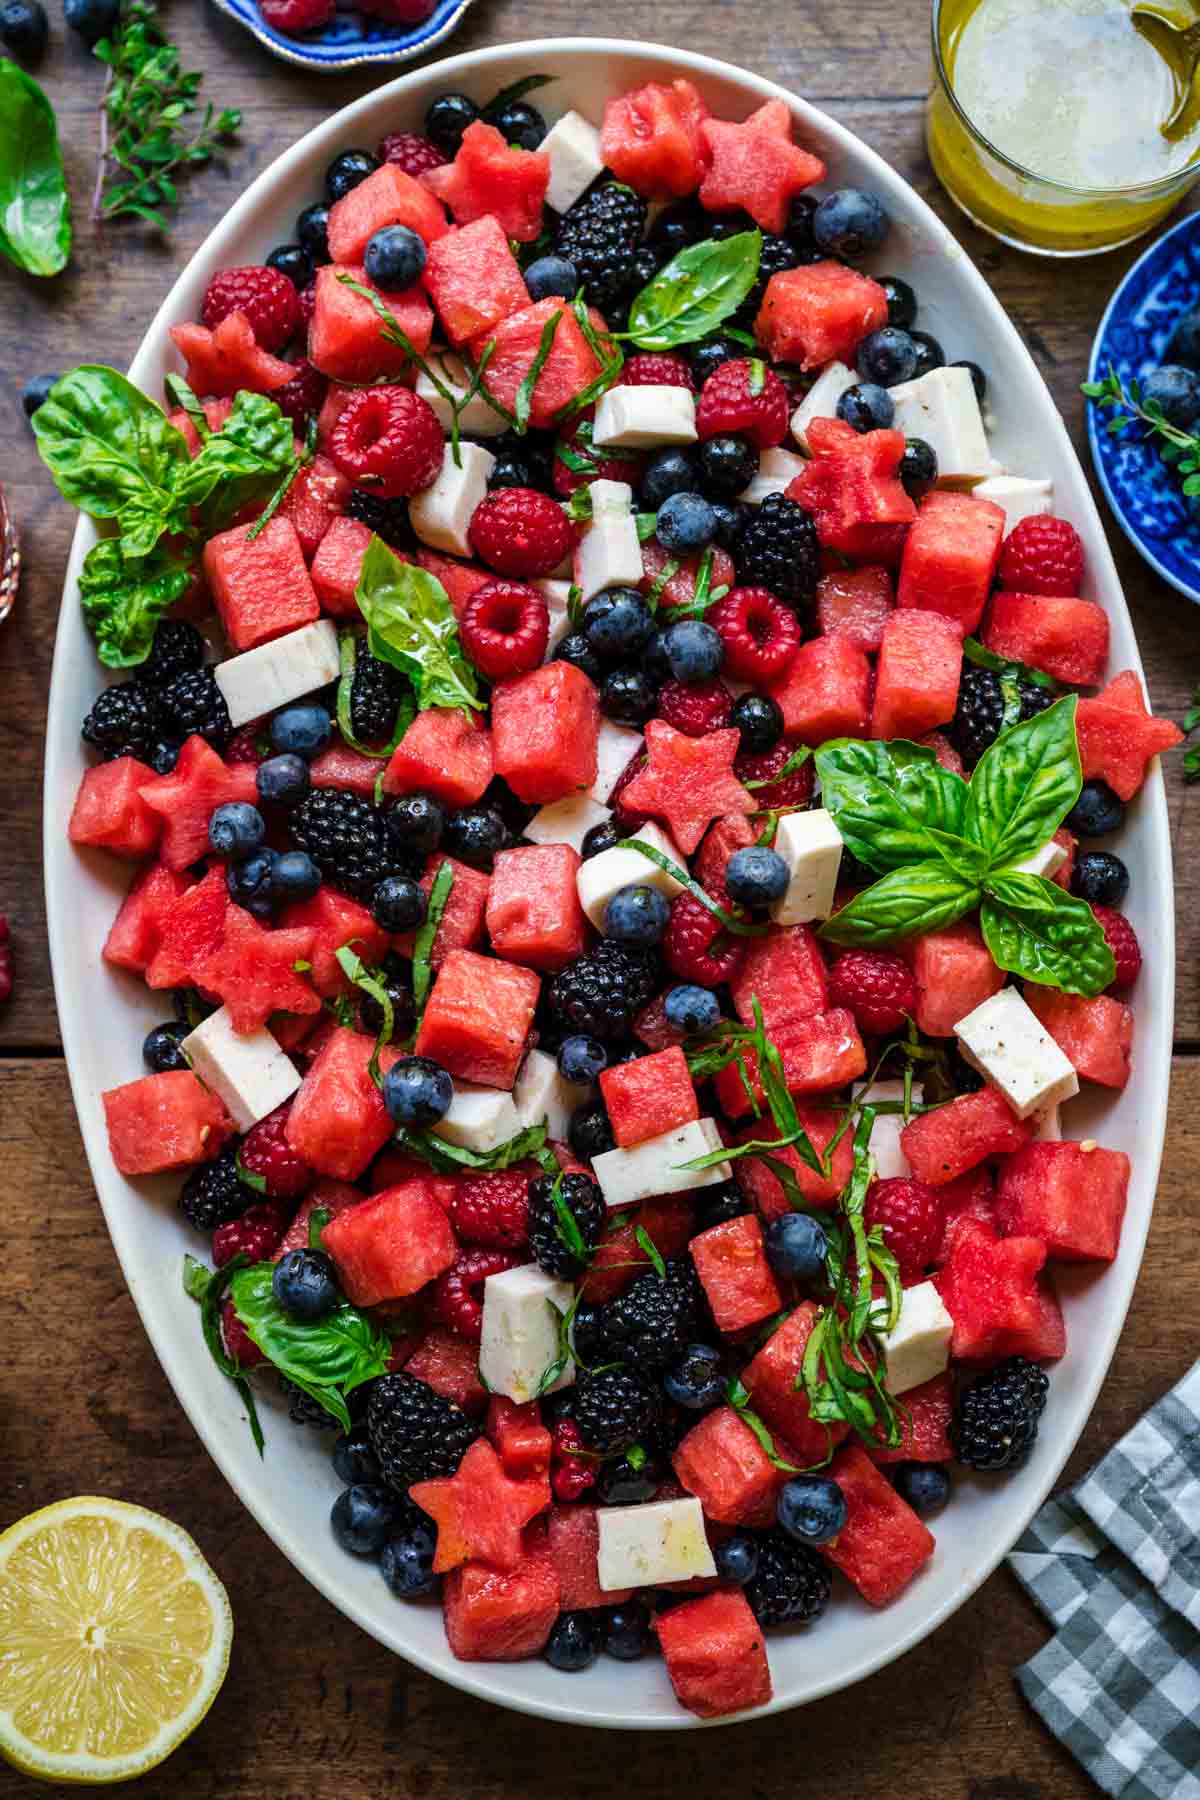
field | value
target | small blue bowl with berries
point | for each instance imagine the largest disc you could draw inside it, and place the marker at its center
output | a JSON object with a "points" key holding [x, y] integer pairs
{"points": [[329, 37], [1143, 392]]}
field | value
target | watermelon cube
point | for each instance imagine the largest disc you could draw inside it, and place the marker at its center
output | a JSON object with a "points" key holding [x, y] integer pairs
{"points": [[763, 1188], [447, 1362], [472, 277], [186, 799], [229, 358], [992, 1289], [722, 1463], [941, 1145], [189, 931], [732, 831], [545, 728], [820, 1053], [1095, 1035], [785, 972], [715, 1654], [649, 1096], [388, 197], [950, 557], [341, 767], [461, 580], [444, 753], [825, 692], [335, 921], [771, 1377], [533, 910], [260, 585], [345, 333], [478, 1018], [924, 1425], [110, 811], [1118, 736], [522, 1442], [497, 1615], [338, 1120], [1067, 638], [954, 973], [666, 1221], [851, 489], [819, 314], [1071, 1196], [461, 923], [569, 367], [731, 1261], [573, 1541], [489, 176], [136, 932], [314, 501], [387, 1247], [883, 1543], [916, 681], [972, 1196], [164, 1122], [337, 566], [855, 603], [253, 970], [651, 139]]}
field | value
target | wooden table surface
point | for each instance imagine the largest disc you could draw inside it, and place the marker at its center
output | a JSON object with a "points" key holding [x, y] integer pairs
{"points": [[313, 1707]]}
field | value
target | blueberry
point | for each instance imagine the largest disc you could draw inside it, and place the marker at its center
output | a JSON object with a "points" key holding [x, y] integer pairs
{"points": [[23, 30], [395, 258], [930, 354], [406, 1564], [251, 883], [901, 301], [691, 1009], [416, 823], [1183, 345], [618, 622], [236, 830], [918, 467], [731, 518], [92, 19], [727, 465], [627, 1631], [887, 356], [399, 903], [924, 1486], [574, 1642], [695, 1382], [363, 1517], [1100, 878], [163, 756], [1176, 392], [849, 224], [717, 1205], [370, 1012], [509, 470], [160, 1048], [867, 407], [354, 1460], [301, 730], [799, 228], [637, 915], [475, 835], [293, 261], [622, 1483], [305, 1285], [797, 1246], [282, 780], [589, 1132], [668, 472], [756, 876], [654, 659], [628, 696], [580, 1059], [811, 1508], [694, 650], [759, 719], [550, 277], [576, 649], [704, 359], [447, 119], [417, 1092], [347, 170], [312, 229], [36, 392], [600, 838], [519, 123], [295, 877], [1097, 811], [978, 378], [737, 1559], [685, 524]]}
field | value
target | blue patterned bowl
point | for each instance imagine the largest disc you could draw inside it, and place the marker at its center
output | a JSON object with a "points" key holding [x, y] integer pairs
{"points": [[352, 40], [1143, 492]]}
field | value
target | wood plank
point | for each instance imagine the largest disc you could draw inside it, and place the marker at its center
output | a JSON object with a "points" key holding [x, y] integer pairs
{"points": [[313, 1707]]}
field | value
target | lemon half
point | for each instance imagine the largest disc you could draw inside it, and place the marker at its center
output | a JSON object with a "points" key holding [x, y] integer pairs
{"points": [[114, 1640]]}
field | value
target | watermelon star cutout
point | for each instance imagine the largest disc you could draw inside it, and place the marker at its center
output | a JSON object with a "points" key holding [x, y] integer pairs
{"points": [[687, 782], [253, 971], [852, 491], [756, 166], [1118, 735], [480, 1512], [490, 176], [187, 798]]}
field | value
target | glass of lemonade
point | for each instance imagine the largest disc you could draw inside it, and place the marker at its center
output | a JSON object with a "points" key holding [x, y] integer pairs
{"points": [[1044, 121]]}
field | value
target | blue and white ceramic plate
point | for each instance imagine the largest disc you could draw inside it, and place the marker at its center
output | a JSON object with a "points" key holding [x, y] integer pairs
{"points": [[352, 40], [1143, 492]]}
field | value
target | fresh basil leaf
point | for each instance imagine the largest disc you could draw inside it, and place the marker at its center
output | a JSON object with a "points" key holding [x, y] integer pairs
{"points": [[1024, 785], [35, 207], [412, 626], [422, 967], [113, 454], [697, 290], [983, 658], [739, 1398], [796, 760], [894, 804], [608, 354], [1037, 930], [524, 399], [257, 1182], [371, 982], [446, 1157], [566, 1225], [241, 462], [923, 897], [738, 927], [516, 90], [327, 1358], [651, 1251], [207, 1287], [123, 598], [185, 398], [318, 1219]]}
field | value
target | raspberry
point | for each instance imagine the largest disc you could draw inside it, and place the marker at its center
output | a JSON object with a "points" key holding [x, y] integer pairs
{"points": [[1042, 555], [655, 369], [238, 1342], [6, 961], [697, 947], [410, 152], [492, 1210], [308, 302], [266, 1152], [388, 439], [575, 442], [295, 16], [571, 1474], [266, 297], [728, 404], [760, 634], [910, 1214], [456, 1294], [504, 627], [304, 394], [794, 790], [1122, 941], [695, 709], [244, 746], [257, 1234], [877, 986], [518, 531]]}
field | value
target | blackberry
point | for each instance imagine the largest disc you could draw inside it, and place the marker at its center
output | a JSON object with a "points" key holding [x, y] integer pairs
{"points": [[192, 703], [177, 647], [214, 1193], [778, 254], [652, 1323], [375, 695], [717, 1205], [600, 235], [415, 1434], [790, 1583], [979, 716], [602, 992], [123, 722], [589, 1132], [995, 1423], [547, 1238], [304, 1410], [344, 835], [388, 519], [778, 549], [613, 1409]]}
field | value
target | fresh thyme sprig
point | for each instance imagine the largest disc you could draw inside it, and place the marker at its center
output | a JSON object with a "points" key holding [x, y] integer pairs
{"points": [[1179, 448], [1191, 756]]}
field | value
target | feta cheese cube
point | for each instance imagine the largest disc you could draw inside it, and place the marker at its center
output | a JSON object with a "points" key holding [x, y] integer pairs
{"points": [[821, 400], [602, 876], [521, 1332], [566, 821], [441, 513], [811, 846], [1021, 496], [609, 554], [918, 1347], [479, 1118], [557, 595], [890, 1160], [273, 674], [776, 468], [652, 1167], [643, 1546], [941, 408], [1008, 1044], [616, 747], [540, 1092], [573, 146], [638, 418], [1045, 862], [478, 418], [248, 1072]]}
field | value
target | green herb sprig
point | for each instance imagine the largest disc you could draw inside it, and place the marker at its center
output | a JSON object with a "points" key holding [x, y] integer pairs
{"points": [[372, 982], [1179, 448], [208, 1287], [327, 1358]]}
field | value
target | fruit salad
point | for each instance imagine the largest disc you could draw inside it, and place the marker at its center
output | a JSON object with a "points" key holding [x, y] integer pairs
{"points": [[619, 788]]}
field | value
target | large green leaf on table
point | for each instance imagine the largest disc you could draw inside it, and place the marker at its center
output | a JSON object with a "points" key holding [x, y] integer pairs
{"points": [[35, 207]]}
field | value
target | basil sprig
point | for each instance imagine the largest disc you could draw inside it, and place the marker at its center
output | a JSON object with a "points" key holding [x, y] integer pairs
{"points": [[327, 1358], [207, 1287], [696, 291], [411, 625], [944, 847], [447, 1158]]}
